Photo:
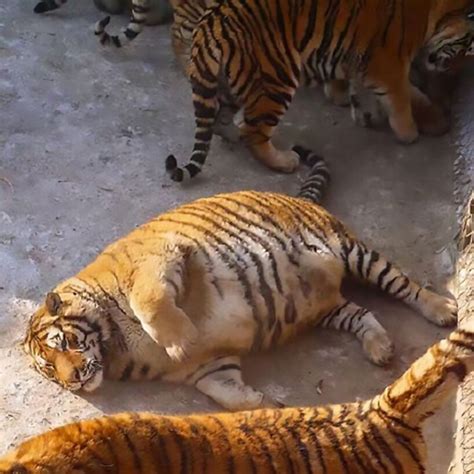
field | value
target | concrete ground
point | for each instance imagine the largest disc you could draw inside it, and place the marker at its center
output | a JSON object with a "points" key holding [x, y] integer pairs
{"points": [[83, 137]]}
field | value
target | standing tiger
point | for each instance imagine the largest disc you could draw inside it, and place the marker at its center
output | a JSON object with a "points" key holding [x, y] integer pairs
{"points": [[158, 11], [253, 55], [381, 435], [185, 295]]}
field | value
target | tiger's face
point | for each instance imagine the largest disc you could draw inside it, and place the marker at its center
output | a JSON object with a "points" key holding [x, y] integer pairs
{"points": [[66, 347], [452, 40]]}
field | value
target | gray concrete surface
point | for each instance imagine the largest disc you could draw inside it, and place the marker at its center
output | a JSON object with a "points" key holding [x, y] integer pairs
{"points": [[463, 462], [83, 137]]}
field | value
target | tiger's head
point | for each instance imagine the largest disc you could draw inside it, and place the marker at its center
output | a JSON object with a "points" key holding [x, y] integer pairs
{"points": [[65, 339], [452, 35]]}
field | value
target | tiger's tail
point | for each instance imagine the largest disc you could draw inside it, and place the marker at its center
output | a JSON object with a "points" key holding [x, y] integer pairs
{"points": [[140, 10], [203, 72], [318, 179], [423, 388], [48, 5]]}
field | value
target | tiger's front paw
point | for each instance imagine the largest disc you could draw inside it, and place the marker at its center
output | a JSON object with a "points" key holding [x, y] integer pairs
{"points": [[178, 342], [405, 134]]}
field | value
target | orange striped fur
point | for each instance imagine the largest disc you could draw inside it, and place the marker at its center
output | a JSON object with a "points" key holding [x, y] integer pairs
{"points": [[382, 435], [184, 296], [253, 55]]}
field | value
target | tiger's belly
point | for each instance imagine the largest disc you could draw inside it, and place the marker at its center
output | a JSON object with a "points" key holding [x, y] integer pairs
{"points": [[261, 311], [237, 312]]}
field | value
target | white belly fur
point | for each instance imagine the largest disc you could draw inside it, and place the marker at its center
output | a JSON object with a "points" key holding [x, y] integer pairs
{"points": [[225, 320]]}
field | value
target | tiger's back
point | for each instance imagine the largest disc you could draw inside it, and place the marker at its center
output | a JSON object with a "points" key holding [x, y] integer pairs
{"points": [[381, 435]]}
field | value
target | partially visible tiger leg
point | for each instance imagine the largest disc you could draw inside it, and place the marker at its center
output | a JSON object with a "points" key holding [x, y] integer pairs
{"points": [[366, 110], [350, 317], [261, 116], [370, 266], [224, 125], [221, 380], [337, 91], [429, 117], [153, 301], [396, 99]]}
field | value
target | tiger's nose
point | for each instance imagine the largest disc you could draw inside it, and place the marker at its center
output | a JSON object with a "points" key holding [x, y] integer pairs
{"points": [[76, 376]]}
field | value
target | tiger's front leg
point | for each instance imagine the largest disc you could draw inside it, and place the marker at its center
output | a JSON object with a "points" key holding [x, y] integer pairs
{"points": [[153, 301], [430, 118], [396, 98]]}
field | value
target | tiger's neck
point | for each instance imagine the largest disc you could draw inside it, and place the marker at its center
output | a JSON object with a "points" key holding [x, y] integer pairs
{"points": [[422, 389]]}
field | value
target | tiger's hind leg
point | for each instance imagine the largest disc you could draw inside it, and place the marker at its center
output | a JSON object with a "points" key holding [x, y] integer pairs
{"points": [[368, 265], [224, 125], [337, 91], [261, 117], [352, 318], [221, 380]]}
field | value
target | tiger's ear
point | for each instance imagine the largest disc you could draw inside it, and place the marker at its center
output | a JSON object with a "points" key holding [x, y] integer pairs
{"points": [[53, 303]]}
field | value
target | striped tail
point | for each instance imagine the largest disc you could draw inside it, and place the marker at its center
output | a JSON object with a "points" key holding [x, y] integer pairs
{"points": [[203, 71], [317, 181], [48, 5], [423, 388], [140, 10]]}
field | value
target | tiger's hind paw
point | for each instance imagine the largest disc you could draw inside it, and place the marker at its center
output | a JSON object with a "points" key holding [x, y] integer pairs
{"points": [[439, 309]]}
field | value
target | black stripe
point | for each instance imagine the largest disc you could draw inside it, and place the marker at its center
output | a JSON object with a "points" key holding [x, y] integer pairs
{"points": [[310, 26], [221, 368], [256, 441], [336, 446], [265, 289], [404, 285], [374, 257], [237, 218], [130, 444], [383, 274], [144, 370], [230, 466], [127, 371], [360, 259]]}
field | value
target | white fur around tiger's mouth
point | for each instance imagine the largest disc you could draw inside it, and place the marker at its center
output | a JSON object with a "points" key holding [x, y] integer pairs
{"points": [[93, 382]]}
